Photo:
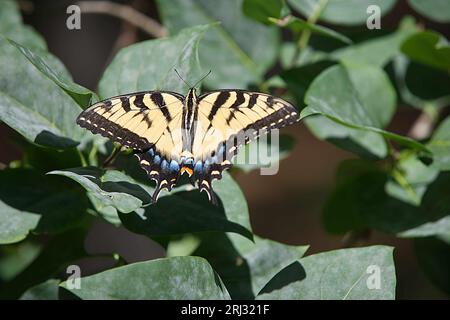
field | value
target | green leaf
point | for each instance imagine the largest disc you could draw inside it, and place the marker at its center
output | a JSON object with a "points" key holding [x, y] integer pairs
{"points": [[365, 144], [26, 191], [176, 278], [412, 179], [427, 83], [346, 95], [298, 79], [190, 212], [433, 256], [297, 25], [440, 146], [110, 191], [306, 57], [347, 274], [366, 200], [262, 10], [403, 67], [429, 48], [238, 50], [348, 12], [11, 26], [15, 224], [150, 65], [47, 290], [55, 71], [47, 159], [436, 10], [342, 209], [245, 266], [59, 252], [14, 258], [358, 97], [32, 104], [439, 228], [377, 51]]}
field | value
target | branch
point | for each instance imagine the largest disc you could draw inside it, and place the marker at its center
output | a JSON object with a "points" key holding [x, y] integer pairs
{"points": [[127, 13]]}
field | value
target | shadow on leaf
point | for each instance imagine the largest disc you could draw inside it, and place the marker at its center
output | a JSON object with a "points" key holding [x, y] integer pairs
{"points": [[180, 213]]}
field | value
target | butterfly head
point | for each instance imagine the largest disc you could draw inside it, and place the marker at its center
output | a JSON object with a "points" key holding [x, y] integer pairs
{"points": [[192, 88]]}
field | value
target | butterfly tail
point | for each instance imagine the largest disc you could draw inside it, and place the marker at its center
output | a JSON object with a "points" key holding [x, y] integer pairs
{"points": [[166, 174]]}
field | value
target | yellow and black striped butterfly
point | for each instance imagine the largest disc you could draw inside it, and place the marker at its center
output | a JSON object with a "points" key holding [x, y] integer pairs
{"points": [[198, 135]]}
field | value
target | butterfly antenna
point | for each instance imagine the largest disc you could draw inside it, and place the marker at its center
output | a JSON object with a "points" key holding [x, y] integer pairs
{"points": [[203, 78], [182, 78]]}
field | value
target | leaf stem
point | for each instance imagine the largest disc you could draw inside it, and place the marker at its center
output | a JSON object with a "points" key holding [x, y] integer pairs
{"points": [[127, 13], [82, 158], [112, 156], [306, 33], [404, 183]]}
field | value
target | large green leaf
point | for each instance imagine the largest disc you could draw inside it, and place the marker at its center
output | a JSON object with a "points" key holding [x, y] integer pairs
{"points": [[11, 26], [47, 290], [341, 212], [427, 83], [118, 198], [437, 10], [15, 224], [32, 103], [342, 12], [238, 50], [262, 10], [14, 258], [439, 228], [110, 191], [347, 274], [346, 95], [25, 191], [245, 266], [440, 146], [190, 212], [430, 48], [150, 65], [379, 50], [356, 99], [408, 80], [366, 199], [51, 67], [176, 278]]}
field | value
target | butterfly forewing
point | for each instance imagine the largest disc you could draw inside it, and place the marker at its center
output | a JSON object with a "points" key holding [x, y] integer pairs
{"points": [[137, 120], [229, 113]]}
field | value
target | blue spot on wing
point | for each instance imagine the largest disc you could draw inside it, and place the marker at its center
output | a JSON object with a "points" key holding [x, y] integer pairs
{"points": [[174, 166]]}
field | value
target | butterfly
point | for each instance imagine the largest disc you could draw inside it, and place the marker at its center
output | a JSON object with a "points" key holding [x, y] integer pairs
{"points": [[172, 134]]}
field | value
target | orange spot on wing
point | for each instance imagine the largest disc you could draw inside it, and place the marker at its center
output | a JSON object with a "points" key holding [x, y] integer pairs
{"points": [[188, 170]]}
